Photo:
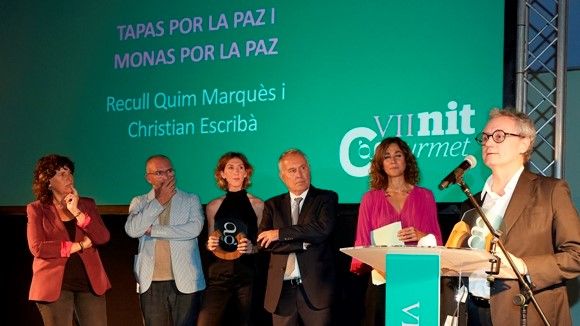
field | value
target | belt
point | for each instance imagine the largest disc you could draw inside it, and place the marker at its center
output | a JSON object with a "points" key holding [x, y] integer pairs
{"points": [[293, 282], [480, 302]]}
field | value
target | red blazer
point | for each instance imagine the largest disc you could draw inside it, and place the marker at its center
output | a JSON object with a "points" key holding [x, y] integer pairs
{"points": [[46, 234]]}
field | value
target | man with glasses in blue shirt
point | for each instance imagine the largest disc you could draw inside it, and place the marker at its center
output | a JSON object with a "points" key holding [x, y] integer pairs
{"points": [[168, 268]]}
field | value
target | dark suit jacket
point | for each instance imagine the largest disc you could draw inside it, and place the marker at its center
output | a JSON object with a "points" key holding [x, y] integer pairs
{"points": [[46, 234], [315, 224], [542, 227]]}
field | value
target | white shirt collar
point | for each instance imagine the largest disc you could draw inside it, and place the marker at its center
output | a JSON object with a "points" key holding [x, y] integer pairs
{"points": [[509, 187], [303, 195]]}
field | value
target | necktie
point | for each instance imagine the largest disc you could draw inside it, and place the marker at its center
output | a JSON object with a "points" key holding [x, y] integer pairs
{"points": [[291, 263], [296, 209]]}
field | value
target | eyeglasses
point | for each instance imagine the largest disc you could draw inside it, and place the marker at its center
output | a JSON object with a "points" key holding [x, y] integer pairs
{"points": [[159, 173], [498, 136]]}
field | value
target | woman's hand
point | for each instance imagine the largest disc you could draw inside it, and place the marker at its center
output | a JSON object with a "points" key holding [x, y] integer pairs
{"points": [[87, 242], [245, 246], [212, 242], [410, 234], [72, 201]]}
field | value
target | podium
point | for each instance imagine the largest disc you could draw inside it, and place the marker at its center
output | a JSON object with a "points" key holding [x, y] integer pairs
{"points": [[412, 280], [454, 262]]}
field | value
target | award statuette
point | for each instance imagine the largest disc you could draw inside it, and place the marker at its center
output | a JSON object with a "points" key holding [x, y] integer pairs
{"points": [[230, 232]]}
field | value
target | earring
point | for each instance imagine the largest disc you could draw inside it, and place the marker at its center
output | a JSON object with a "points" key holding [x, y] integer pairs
{"points": [[49, 186]]}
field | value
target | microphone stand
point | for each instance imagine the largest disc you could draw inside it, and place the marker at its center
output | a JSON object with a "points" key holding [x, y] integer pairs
{"points": [[526, 294]]}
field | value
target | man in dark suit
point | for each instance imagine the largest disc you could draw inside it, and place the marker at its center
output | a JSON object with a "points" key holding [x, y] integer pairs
{"points": [[539, 227], [296, 228]]}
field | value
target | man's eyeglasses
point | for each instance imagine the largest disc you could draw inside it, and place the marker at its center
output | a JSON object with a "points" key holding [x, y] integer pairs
{"points": [[498, 136], [159, 173]]}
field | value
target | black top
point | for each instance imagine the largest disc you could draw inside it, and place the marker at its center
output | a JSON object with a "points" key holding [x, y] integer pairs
{"points": [[234, 215], [75, 277]]}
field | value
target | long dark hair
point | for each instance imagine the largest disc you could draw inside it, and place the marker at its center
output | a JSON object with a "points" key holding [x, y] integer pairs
{"points": [[378, 176]]}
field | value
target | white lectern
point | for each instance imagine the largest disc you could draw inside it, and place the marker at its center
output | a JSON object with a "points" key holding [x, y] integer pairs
{"points": [[413, 297], [454, 262]]}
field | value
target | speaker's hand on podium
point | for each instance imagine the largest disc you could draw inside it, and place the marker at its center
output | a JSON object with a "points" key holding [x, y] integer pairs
{"points": [[519, 263]]}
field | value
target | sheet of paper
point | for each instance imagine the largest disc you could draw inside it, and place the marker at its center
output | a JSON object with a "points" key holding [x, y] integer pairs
{"points": [[384, 236], [387, 235]]}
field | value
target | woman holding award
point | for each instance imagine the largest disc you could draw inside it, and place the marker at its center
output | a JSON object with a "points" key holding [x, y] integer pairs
{"points": [[232, 222]]}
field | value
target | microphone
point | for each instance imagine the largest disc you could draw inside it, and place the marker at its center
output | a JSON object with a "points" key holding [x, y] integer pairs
{"points": [[451, 178]]}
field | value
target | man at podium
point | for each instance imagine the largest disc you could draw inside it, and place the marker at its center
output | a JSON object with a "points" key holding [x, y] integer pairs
{"points": [[539, 227]]}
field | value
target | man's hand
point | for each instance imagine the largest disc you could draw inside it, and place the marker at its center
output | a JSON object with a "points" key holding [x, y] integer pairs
{"points": [[148, 231], [519, 263], [267, 237], [165, 191]]}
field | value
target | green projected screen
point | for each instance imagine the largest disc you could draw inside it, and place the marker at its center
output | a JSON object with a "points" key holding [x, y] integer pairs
{"points": [[108, 83]]}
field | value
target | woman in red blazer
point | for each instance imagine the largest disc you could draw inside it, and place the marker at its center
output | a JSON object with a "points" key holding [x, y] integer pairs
{"points": [[68, 278]]}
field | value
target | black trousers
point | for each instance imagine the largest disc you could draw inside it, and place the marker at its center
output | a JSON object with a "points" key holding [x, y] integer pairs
{"points": [[223, 288], [294, 308]]}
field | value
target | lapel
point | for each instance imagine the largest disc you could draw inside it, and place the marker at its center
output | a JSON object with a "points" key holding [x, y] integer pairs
{"points": [[286, 210], [308, 203], [176, 202], [51, 215], [520, 199]]}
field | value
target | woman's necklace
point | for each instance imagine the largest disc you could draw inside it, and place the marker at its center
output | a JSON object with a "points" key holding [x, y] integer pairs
{"points": [[62, 211], [57, 204], [405, 190]]}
